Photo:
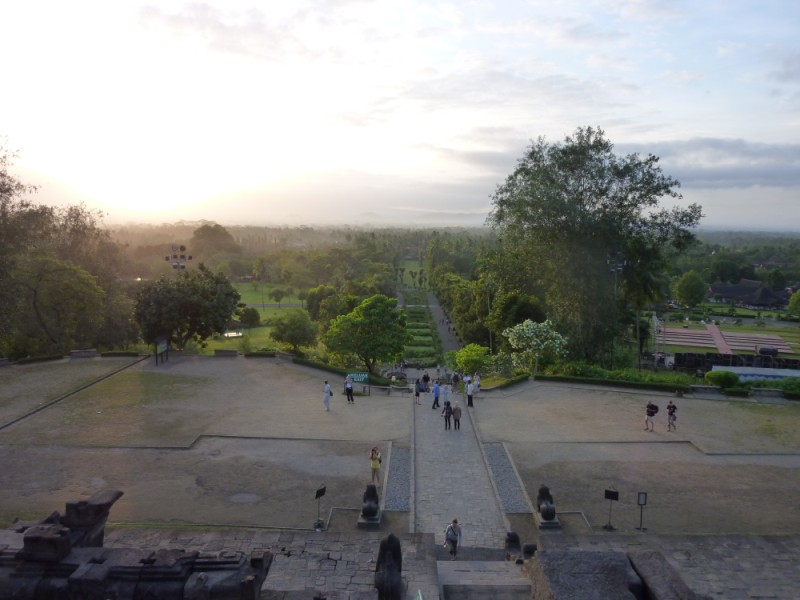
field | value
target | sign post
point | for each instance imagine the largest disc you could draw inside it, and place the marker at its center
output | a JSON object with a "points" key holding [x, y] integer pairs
{"points": [[612, 496], [642, 501]]}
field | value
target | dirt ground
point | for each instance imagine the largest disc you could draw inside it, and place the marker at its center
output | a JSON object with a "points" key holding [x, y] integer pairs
{"points": [[245, 442]]}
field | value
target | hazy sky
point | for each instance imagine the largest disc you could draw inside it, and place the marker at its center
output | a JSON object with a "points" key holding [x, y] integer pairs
{"points": [[248, 112]]}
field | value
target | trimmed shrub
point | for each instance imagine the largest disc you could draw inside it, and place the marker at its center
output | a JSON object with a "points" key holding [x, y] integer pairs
{"points": [[723, 379]]}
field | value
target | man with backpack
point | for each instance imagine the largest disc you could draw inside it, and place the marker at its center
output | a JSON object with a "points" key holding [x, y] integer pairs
{"points": [[650, 412]]}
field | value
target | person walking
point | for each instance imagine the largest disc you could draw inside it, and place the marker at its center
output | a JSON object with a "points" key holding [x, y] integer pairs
{"points": [[446, 393], [417, 390], [375, 461], [671, 416], [436, 391], [348, 389], [650, 412], [426, 379], [452, 538], [326, 397], [470, 392], [447, 412], [456, 416]]}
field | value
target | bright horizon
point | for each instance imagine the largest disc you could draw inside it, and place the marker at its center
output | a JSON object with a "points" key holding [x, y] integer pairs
{"points": [[392, 112]]}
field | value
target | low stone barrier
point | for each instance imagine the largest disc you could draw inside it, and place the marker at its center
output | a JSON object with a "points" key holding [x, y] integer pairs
{"points": [[229, 353], [767, 394], [390, 388], [83, 353], [707, 390]]}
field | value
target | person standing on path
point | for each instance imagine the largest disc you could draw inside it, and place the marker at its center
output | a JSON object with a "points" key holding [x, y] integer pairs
{"points": [[456, 416], [426, 379], [436, 390], [348, 389], [447, 412], [326, 397], [452, 538], [375, 461], [650, 412], [417, 389], [470, 391], [671, 416]]}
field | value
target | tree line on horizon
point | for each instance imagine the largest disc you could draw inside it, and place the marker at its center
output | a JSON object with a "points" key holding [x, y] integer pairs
{"points": [[578, 235]]}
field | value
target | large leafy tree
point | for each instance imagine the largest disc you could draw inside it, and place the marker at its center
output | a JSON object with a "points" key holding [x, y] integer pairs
{"points": [[373, 331], [691, 290], [192, 306], [65, 306], [209, 239], [294, 327], [472, 358], [59, 275], [570, 216]]}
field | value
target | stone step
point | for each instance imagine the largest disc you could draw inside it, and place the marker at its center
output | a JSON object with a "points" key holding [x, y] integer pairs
{"points": [[501, 580], [486, 592], [470, 553]]}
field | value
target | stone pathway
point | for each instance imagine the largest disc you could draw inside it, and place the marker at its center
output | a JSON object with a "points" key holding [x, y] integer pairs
{"points": [[719, 339], [451, 480]]}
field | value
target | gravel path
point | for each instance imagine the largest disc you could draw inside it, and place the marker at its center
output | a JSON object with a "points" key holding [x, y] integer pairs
{"points": [[398, 487], [512, 496]]}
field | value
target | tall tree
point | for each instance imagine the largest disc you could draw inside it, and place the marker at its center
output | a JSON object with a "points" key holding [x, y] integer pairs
{"points": [[691, 289], [294, 327], [192, 306], [66, 306], [374, 331], [209, 239], [567, 217]]}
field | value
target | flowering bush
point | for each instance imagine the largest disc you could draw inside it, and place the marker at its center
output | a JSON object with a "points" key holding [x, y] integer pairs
{"points": [[534, 341]]}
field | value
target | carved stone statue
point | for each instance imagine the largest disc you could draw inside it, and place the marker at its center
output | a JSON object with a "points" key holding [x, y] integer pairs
{"points": [[545, 504], [388, 569], [371, 502]]}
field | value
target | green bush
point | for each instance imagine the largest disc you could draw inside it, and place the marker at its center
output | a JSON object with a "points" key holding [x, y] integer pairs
{"points": [[723, 379], [789, 385]]}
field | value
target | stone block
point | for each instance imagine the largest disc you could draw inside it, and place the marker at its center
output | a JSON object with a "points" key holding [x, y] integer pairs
{"points": [[574, 575], [662, 581]]}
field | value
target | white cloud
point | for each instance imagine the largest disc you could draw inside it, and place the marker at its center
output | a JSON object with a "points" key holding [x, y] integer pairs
{"points": [[218, 107]]}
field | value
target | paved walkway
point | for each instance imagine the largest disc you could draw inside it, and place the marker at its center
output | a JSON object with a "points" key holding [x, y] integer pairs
{"points": [[719, 339], [451, 477], [451, 480]]}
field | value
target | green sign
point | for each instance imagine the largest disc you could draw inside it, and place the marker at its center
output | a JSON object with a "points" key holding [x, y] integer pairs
{"points": [[359, 377]]}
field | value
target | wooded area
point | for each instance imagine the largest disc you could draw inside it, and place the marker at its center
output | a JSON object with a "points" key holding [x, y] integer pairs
{"points": [[67, 281]]}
